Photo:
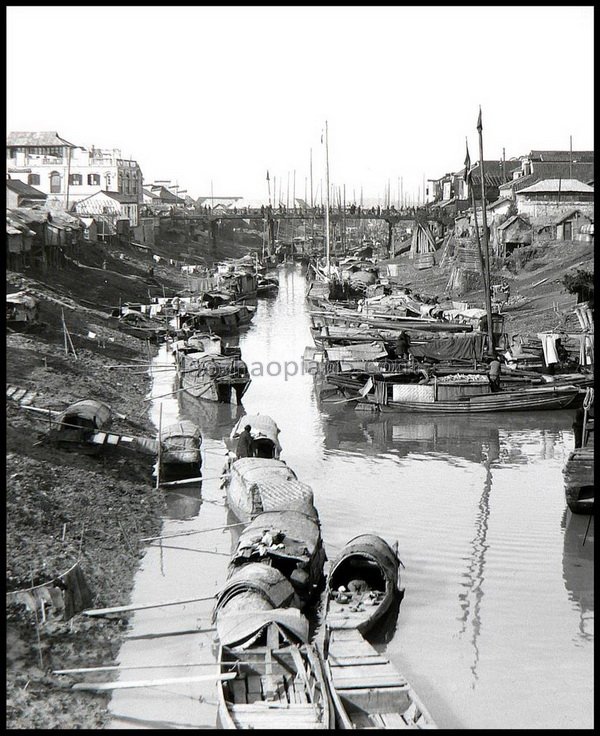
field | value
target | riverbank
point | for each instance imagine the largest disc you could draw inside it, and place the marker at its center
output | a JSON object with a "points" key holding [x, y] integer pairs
{"points": [[63, 506]]}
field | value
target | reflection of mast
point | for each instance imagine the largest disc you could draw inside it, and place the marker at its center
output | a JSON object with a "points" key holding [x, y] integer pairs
{"points": [[471, 599], [578, 568]]}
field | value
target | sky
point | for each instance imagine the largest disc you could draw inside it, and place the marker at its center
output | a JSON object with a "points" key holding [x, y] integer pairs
{"points": [[214, 97]]}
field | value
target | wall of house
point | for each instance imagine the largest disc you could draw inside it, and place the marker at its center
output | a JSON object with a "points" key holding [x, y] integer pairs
{"points": [[115, 174], [12, 199], [552, 209]]}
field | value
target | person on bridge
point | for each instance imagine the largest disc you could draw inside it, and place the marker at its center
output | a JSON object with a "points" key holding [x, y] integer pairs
{"points": [[245, 444]]}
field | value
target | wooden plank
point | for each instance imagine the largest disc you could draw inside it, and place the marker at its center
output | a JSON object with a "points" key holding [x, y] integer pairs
{"points": [[10, 390], [149, 683], [392, 720], [18, 395], [351, 661], [368, 681]]}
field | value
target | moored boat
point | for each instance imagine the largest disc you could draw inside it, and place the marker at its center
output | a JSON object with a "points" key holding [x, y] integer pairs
{"points": [[394, 393], [181, 455], [74, 428], [579, 469], [362, 584], [289, 541], [279, 682], [256, 485], [265, 435], [366, 689], [206, 373], [221, 320]]}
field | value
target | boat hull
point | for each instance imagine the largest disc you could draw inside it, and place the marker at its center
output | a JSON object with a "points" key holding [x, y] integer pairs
{"points": [[531, 400]]}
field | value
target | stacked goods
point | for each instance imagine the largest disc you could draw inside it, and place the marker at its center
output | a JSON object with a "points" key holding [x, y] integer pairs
{"points": [[464, 378]]}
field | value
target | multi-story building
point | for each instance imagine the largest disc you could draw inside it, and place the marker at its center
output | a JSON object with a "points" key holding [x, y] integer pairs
{"points": [[68, 173]]}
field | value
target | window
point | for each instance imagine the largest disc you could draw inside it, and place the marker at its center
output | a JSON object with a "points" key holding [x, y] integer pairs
{"points": [[94, 179], [54, 182], [75, 179], [33, 179]]}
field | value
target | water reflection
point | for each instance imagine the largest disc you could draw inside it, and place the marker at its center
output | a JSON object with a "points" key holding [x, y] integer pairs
{"points": [[507, 438], [578, 567], [183, 504], [471, 598]]}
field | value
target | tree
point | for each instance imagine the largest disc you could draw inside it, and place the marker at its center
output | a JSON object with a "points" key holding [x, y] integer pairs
{"points": [[580, 282]]}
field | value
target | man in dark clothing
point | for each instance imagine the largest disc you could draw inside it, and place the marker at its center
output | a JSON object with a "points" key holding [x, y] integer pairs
{"points": [[494, 375], [245, 442], [402, 344]]}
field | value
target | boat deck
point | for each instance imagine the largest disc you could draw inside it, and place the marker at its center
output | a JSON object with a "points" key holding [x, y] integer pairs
{"points": [[371, 690], [275, 688]]}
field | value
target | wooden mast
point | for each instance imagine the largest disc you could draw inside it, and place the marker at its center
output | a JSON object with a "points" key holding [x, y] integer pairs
{"points": [[327, 245], [486, 279]]}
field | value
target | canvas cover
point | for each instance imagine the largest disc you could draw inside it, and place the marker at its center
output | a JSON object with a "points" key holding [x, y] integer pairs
{"points": [[243, 629], [469, 346]]}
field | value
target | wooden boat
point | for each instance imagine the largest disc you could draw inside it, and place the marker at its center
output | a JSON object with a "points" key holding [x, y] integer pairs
{"points": [[256, 485], [265, 435], [289, 541], [579, 469], [222, 320], [78, 423], [366, 689], [263, 639], [279, 681], [180, 455], [206, 373], [141, 326], [362, 584], [394, 394], [266, 285]]}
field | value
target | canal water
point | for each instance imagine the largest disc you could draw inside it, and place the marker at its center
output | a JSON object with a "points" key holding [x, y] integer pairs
{"points": [[496, 627]]}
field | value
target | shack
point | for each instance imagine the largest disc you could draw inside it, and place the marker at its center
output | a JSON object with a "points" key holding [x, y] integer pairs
{"points": [[22, 308]]}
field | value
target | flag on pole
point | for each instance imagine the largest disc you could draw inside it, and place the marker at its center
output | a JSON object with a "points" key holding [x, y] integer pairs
{"points": [[268, 175], [479, 125], [467, 175]]}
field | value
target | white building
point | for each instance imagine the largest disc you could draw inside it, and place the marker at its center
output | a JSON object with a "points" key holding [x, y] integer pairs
{"points": [[68, 173]]}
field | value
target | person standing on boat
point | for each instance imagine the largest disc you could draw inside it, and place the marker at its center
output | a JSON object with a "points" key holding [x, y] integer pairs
{"points": [[494, 375], [245, 443], [402, 344]]}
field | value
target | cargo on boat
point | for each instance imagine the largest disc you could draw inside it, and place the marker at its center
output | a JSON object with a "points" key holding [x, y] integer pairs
{"points": [[255, 485], [362, 584], [288, 540], [222, 320]]}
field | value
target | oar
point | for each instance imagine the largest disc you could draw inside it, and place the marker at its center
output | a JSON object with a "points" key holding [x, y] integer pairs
{"points": [[150, 683], [136, 607], [187, 481]]}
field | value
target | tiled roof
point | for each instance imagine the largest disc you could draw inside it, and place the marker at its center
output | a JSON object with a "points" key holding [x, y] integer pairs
{"points": [[516, 184], [21, 188], [568, 215], [494, 174], [562, 169], [39, 139], [558, 185], [511, 220], [498, 202], [558, 156]]}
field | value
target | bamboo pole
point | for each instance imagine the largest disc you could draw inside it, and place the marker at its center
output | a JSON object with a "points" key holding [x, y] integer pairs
{"points": [[196, 531], [119, 668], [150, 683], [159, 446], [145, 606]]}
